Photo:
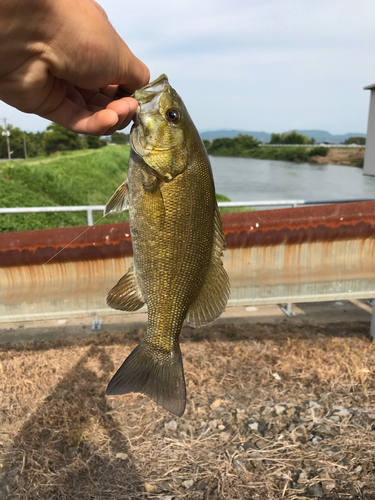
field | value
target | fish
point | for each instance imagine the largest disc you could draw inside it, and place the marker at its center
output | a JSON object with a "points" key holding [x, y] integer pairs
{"points": [[178, 244]]}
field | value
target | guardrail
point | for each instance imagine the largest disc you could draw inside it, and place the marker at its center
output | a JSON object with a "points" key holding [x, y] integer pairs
{"points": [[99, 208], [317, 144], [302, 254]]}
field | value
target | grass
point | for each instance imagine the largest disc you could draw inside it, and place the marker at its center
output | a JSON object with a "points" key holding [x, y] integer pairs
{"points": [[84, 177], [62, 438], [230, 210], [87, 177]]}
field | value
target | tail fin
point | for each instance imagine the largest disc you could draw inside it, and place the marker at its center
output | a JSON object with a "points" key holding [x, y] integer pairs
{"points": [[159, 375]]}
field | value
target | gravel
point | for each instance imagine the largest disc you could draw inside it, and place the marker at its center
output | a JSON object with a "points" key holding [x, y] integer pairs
{"points": [[246, 434]]}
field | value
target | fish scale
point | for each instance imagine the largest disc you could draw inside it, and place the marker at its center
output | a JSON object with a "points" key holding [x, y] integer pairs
{"points": [[177, 242]]}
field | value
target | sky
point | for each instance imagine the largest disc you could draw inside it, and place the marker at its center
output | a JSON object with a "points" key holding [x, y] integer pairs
{"points": [[272, 66]]}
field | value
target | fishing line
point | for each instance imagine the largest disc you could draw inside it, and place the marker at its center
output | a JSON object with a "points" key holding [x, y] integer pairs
{"points": [[66, 246]]}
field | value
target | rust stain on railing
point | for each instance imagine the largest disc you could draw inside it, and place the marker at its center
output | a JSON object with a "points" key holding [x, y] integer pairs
{"points": [[37, 247], [273, 256], [299, 225], [246, 229]]}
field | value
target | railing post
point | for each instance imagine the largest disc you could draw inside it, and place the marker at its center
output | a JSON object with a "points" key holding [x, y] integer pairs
{"points": [[372, 327], [90, 220], [288, 310], [97, 323]]}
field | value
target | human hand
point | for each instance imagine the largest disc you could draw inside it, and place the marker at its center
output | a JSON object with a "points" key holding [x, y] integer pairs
{"points": [[63, 60]]}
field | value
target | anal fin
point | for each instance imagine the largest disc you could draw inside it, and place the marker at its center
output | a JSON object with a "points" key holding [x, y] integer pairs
{"points": [[118, 201], [126, 295]]}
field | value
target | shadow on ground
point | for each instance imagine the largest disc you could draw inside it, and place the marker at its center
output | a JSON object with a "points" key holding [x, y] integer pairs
{"points": [[290, 328], [72, 447]]}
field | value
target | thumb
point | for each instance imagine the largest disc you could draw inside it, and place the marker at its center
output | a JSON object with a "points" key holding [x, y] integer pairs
{"points": [[133, 74]]}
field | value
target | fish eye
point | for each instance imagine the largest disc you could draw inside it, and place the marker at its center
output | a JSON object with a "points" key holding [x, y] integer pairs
{"points": [[173, 115]]}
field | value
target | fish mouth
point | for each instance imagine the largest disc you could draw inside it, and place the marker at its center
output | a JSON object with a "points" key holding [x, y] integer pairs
{"points": [[149, 96], [148, 99], [152, 90]]}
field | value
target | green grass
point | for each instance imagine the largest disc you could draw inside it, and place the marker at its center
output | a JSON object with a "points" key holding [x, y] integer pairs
{"points": [[83, 177], [231, 210]]}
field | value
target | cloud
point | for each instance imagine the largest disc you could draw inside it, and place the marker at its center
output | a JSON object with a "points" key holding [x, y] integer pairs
{"points": [[272, 65]]}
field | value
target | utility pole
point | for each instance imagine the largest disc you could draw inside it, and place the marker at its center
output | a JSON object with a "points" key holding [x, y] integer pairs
{"points": [[24, 146], [6, 133]]}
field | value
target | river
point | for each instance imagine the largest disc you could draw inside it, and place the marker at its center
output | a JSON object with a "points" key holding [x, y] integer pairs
{"points": [[248, 179]]}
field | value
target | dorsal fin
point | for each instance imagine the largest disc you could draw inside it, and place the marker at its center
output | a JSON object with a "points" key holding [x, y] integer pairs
{"points": [[126, 295], [214, 294], [118, 200]]}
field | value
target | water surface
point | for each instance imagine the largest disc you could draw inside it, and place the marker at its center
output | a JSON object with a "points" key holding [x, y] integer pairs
{"points": [[248, 179]]}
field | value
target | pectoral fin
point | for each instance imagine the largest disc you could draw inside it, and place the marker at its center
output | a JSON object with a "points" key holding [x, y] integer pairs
{"points": [[126, 295], [118, 201], [214, 294]]}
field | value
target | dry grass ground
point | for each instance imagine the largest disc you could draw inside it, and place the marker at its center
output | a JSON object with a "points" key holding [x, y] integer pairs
{"points": [[342, 156], [274, 411]]}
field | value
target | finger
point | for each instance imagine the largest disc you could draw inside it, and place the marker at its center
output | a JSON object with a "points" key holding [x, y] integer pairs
{"points": [[133, 74], [125, 124], [81, 120], [118, 126], [94, 97], [110, 91], [75, 96], [125, 108], [84, 121]]}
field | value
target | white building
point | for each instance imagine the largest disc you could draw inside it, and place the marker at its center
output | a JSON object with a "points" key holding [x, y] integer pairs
{"points": [[369, 165]]}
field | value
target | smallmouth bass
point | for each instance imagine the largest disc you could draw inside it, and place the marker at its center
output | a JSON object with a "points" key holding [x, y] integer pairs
{"points": [[178, 243]]}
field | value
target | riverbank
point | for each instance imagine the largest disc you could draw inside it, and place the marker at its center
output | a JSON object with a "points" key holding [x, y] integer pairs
{"points": [[346, 156], [350, 157]]}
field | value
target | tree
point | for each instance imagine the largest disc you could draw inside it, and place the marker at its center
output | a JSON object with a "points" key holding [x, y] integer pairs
{"points": [[34, 143], [356, 140], [95, 142], [224, 146], [275, 139], [292, 137], [58, 138], [207, 144], [120, 138]]}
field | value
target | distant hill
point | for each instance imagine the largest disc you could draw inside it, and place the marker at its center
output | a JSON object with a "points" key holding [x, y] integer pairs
{"points": [[215, 134], [318, 135], [323, 136]]}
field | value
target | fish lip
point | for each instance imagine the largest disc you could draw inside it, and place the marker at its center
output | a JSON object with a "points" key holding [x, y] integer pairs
{"points": [[152, 91], [152, 87], [149, 96], [157, 85]]}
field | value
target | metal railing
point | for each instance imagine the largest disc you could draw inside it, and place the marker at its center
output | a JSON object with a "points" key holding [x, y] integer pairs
{"points": [[89, 209], [297, 255]]}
